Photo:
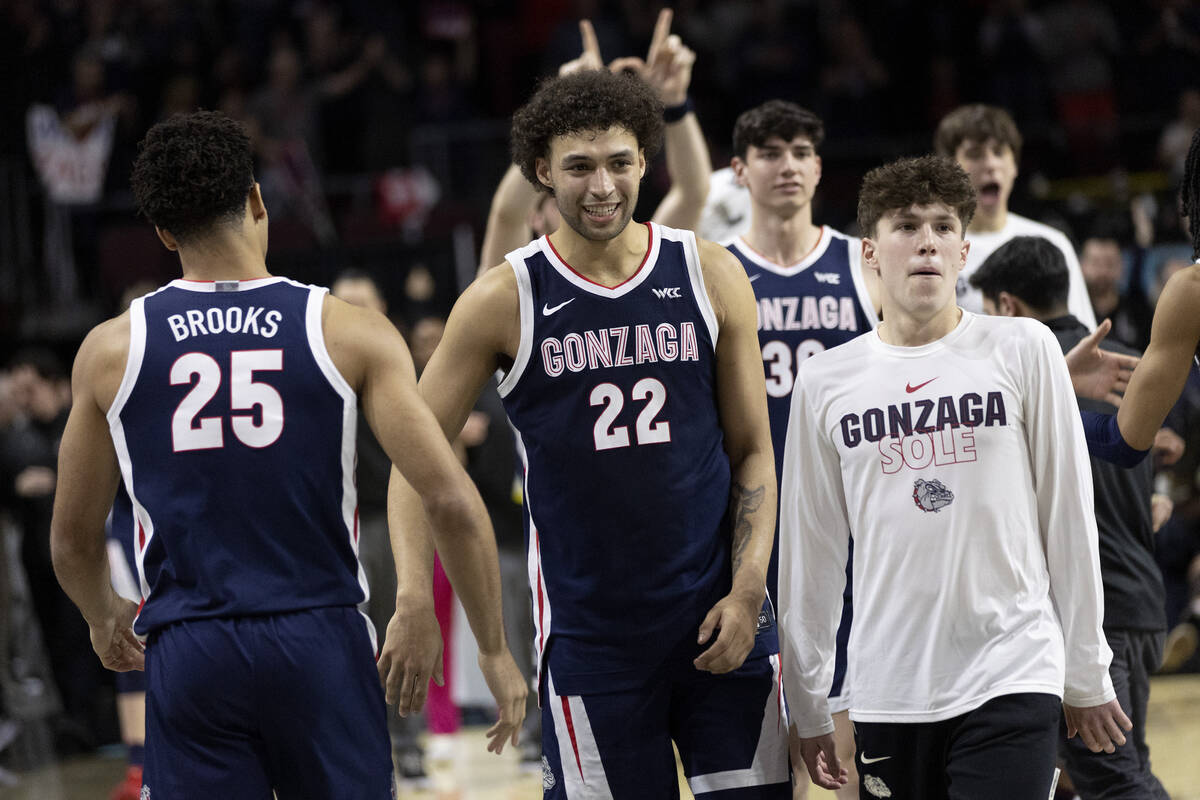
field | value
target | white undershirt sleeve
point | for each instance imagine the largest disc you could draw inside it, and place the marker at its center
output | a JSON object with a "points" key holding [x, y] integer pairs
{"points": [[813, 546], [1066, 516]]}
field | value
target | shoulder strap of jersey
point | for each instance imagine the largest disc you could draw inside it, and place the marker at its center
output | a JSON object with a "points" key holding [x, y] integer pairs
{"points": [[133, 362], [691, 254], [516, 260]]}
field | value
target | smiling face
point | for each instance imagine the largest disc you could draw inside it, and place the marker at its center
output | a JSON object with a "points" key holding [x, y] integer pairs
{"points": [[919, 252], [595, 177], [781, 175], [992, 168]]}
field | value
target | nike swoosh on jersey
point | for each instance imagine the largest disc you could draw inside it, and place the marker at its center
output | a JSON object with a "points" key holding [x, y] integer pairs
{"points": [[866, 760], [908, 387], [547, 309], [753, 278]]}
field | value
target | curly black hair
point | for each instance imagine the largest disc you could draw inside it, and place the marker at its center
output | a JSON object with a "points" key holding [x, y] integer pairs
{"points": [[192, 172], [1189, 193], [775, 118], [591, 100], [914, 181]]}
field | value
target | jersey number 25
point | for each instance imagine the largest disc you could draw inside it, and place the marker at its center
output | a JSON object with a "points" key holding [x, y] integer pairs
{"points": [[189, 431]]}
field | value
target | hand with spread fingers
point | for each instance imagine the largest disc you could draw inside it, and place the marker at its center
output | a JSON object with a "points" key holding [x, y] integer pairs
{"points": [[410, 657], [508, 687], [1100, 727], [1099, 374], [113, 638], [667, 66]]}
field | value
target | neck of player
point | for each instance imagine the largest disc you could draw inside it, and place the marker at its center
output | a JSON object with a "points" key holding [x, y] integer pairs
{"points": [[988, 220], [908, 329], [609, 262], [230, 257], [783, 238]]}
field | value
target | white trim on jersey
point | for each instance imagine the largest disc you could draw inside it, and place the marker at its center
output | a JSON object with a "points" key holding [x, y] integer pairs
{"points": [[316, 343], [582, 770], [227, 286], [540, 597], [119, 572], [133, 367], [788, 270], [691, 255], [770, 763], [591, 287], [516, 260], [133, 362]]}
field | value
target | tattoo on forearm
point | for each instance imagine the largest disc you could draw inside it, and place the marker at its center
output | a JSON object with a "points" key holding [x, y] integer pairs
{"points": [[742, 503]]}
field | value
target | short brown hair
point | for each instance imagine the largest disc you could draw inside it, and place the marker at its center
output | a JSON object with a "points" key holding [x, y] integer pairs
{"points": [[775, 118], [914, 182], [976, 123], [590, 100]]}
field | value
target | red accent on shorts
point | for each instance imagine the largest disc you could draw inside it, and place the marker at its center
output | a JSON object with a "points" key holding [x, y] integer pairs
{"points": [[571, 733]]}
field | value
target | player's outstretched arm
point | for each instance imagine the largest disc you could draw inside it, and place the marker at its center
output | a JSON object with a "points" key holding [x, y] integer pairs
{"points": [[87, 483], [742, 405], [1159, 378], [373, 358]]}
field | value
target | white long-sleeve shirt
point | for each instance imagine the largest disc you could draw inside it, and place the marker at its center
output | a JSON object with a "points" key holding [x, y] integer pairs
{"points": [[984, 244], [961, 470]]}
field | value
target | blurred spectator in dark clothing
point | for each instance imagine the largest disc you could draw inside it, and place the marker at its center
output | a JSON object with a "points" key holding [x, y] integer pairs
{"points": [[1123, 302], [1012, 52], [29, 457], [1176, 137]]}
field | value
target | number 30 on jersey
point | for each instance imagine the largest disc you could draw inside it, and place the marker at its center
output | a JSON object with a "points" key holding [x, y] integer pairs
{"points": [[781, 367]]}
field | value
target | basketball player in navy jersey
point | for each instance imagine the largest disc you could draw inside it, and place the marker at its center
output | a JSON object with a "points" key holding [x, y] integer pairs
{"points": [[812, 295], [227, 402], [632, 375]]}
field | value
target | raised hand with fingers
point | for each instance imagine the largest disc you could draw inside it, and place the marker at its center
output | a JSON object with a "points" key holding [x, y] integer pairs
{"points": [[1099, 374], [667, 66], [590, 57], [410, 657]]}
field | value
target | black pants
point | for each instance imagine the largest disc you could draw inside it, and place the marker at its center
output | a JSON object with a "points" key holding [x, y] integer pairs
{"points": [[1003, 750], [1125, 773]]}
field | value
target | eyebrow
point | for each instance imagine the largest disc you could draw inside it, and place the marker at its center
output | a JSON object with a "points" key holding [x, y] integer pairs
{"points": [[571, 158]]}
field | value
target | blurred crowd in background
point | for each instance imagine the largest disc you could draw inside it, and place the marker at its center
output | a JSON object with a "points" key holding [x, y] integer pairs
{"points": [[380, 132]]}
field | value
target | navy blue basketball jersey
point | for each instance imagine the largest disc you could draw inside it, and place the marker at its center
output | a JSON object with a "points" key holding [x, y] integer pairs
{"points": [[235, 436], [613, 397], [803, 308]]}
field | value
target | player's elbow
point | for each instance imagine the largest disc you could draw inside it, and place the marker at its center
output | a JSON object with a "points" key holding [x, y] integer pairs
{"points": [[454, 510]]}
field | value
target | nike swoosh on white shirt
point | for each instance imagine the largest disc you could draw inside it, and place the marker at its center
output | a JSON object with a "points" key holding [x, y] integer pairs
{"points": [[866, 760], [547, 309]]}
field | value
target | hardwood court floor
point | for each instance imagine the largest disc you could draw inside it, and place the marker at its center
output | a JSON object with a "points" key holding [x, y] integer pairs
{"points": [[471, 773]]}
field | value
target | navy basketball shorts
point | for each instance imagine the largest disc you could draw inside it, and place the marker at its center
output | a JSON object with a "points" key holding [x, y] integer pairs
{"points": [[731, 731], [1003, 750], [237, 708]]}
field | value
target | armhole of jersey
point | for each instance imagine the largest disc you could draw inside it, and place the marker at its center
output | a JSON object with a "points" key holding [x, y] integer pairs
{"points": [[316, 343], [133, 362], [691, 254], [525, 293], [860, 282]]}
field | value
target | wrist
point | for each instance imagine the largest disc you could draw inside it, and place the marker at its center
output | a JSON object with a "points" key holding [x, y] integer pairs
{"points": [[675, 111]]}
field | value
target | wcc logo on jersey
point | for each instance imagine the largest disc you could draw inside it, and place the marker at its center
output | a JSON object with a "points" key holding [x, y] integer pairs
{"points": [[931, 495]]}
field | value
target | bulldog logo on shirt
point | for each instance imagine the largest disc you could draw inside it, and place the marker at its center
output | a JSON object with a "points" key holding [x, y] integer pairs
{"points": [[931, 495]]}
